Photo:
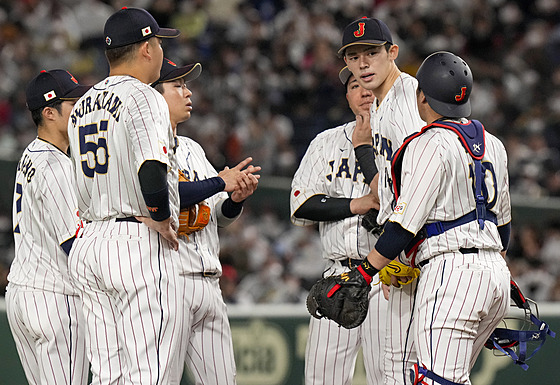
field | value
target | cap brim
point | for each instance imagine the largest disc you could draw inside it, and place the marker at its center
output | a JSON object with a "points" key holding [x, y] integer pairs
{"points": [[76, 93], [344, 75], [363, 42], [188, 72], [450, 110], [168, 33]]}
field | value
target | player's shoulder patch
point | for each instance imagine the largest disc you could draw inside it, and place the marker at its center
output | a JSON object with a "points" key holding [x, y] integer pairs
{"points": [[400, 208]]}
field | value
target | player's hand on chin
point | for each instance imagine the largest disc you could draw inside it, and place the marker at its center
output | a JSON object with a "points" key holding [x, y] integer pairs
{"points": [[165, 229]]}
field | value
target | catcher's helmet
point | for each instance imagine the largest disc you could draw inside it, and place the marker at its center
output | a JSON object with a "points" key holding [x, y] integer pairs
{"points": [[447, 82]]}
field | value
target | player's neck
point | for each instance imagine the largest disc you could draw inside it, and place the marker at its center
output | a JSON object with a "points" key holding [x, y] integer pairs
{"points": [[54, 137], [384, 88], [133, 71]]}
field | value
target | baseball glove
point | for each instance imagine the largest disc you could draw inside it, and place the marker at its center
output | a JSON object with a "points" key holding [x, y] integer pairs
{"points": [[398, 269], [193, 219], [369, 222], [342, 298]]}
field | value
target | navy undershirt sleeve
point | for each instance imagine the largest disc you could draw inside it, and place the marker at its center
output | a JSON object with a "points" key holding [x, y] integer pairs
{"points": [[505, 232], [393, 240], [324, 208], [231, 209], [191, 193], [67, 245]]}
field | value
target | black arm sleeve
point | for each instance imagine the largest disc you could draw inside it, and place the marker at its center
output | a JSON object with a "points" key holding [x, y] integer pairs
{"points": [[365, 158], [324, 208], [195, 192], [505, 232], [393, 240], [153, 183]]}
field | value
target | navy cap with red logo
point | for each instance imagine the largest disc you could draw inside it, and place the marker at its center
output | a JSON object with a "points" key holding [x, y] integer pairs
{"points": [[132, 25], [53, 85], [170, 71], [367, 31]]}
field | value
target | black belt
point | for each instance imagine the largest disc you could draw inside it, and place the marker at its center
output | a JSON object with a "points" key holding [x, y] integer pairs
{"points": [[127, 219], [462, 250], [349, 262]]}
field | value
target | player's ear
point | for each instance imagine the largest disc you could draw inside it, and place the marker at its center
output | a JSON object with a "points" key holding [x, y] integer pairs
{"points": [[393, 52]]}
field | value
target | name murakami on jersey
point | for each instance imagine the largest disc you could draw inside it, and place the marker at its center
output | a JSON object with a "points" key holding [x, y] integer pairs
{"points": [[103, 101]]}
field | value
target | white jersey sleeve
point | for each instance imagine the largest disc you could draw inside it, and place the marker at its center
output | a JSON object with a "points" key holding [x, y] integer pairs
{"points": [[114, 128], [199, 252], [45, 215]]}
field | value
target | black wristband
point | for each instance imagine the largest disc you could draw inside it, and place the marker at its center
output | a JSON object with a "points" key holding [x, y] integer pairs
{"points": [[368, 268], [393, 240], [365, 158]]}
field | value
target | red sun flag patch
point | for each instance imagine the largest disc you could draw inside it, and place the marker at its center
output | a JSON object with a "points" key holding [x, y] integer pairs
{"points": [[296, 193], [165, 150]]}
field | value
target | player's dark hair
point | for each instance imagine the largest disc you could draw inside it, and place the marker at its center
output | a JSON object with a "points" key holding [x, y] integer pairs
{"points": [[37, 115], [122, 54], [159, 88]]}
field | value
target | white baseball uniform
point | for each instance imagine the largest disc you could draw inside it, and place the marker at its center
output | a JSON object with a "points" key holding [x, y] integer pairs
{"points": [[43, 307], [329, 167], [206, 342], [126, 272], [392, 121], [461, 296]]}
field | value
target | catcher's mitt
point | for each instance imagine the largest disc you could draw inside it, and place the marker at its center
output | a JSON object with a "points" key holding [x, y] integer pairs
{"points": [[398, 269], [369, 222], [341, 298]]}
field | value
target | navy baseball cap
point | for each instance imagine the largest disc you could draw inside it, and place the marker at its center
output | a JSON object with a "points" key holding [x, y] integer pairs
{"points": [[344, 75], [367, 31], [132, 25], [170, 71], [53, 85]]}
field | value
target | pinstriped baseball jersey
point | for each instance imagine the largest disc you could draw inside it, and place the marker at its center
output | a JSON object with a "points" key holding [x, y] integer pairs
{"points": [[392, 121], [45, 214], [441, 190], [200, 251], [43, 309], [121, 113], [329, 167], [206, 341]]}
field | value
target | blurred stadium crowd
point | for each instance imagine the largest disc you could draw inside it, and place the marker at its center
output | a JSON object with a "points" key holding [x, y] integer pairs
{"points": [[270, 84]]}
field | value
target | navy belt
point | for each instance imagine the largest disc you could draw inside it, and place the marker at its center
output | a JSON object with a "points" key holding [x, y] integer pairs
{"points": [[350, 263], [462, 250]]}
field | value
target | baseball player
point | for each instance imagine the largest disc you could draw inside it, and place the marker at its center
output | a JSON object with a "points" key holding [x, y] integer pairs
{"points": [[124, 262], [368, 50], [43, 307], [331, 189], [453, 205], [206, 342]]}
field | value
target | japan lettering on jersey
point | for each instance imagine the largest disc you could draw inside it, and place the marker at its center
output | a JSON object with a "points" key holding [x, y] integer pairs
{"points": [[199, 252], [392, 121], [44, 216], [329, 167], [121, 113]]}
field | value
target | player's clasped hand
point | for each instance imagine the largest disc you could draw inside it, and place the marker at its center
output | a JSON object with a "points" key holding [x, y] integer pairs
{"points": [[342, 298], [241, 177], [362, 132], [165, 228]]}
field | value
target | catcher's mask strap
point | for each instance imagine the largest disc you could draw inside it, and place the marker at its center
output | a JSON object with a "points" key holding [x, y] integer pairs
{"points": [[523, 336], [418, 373]]}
